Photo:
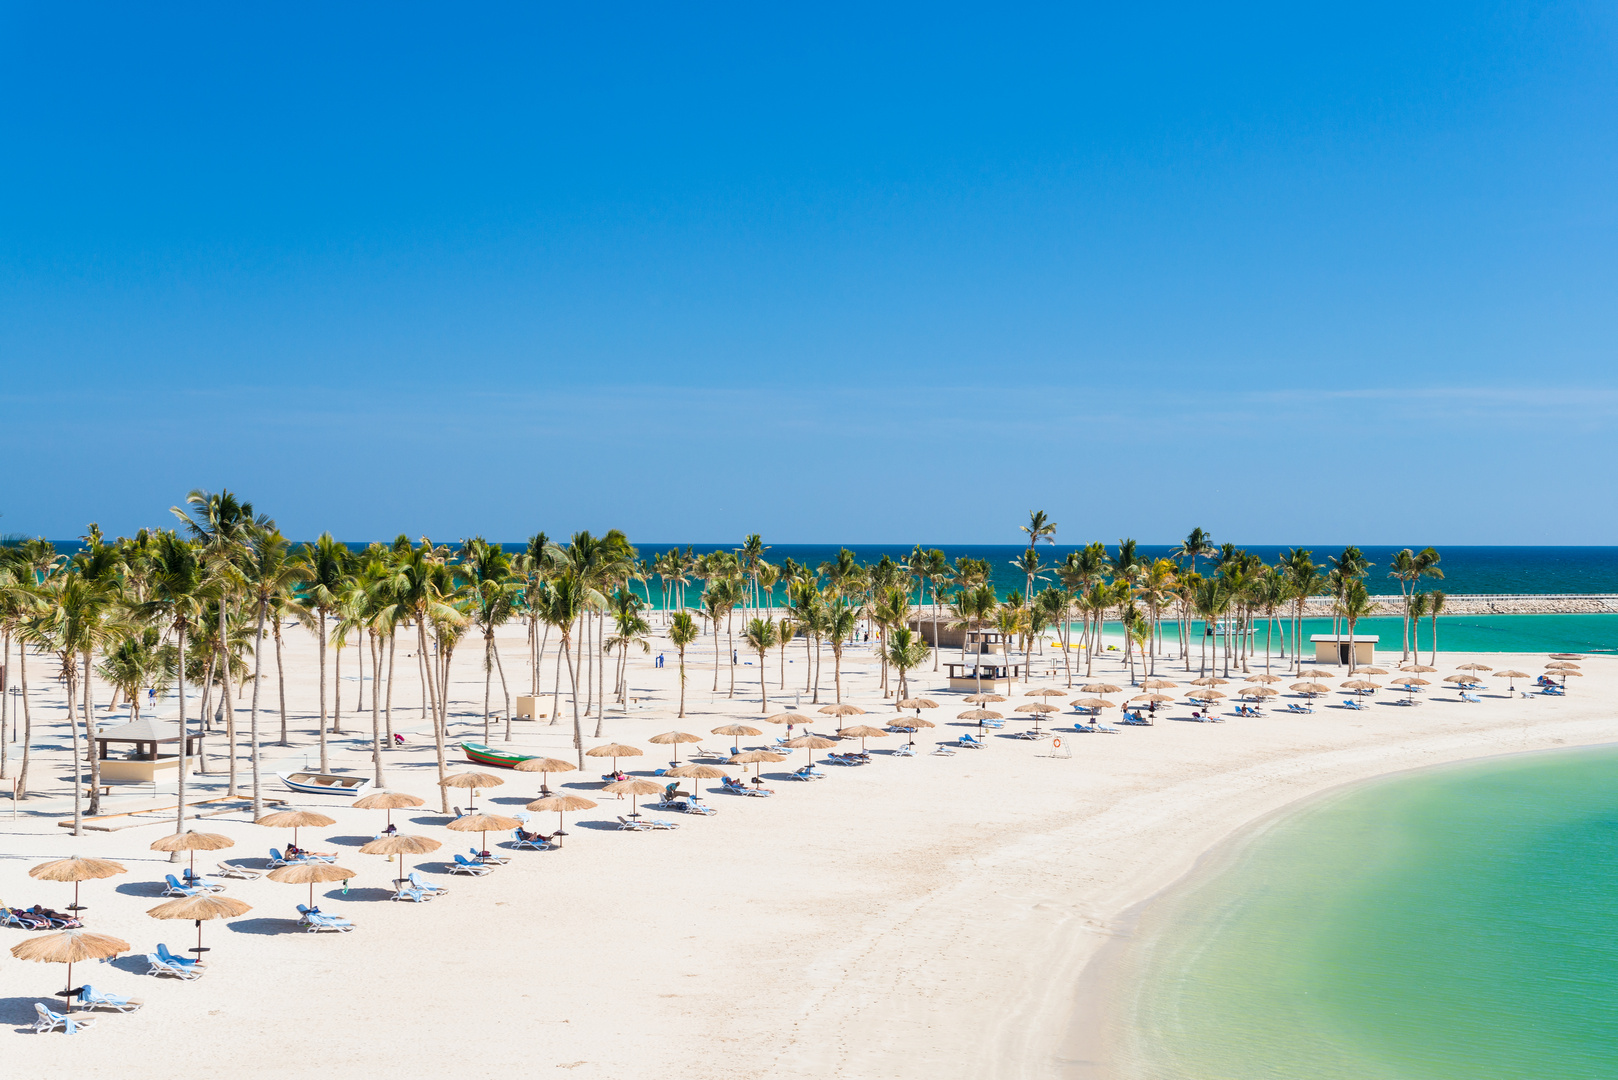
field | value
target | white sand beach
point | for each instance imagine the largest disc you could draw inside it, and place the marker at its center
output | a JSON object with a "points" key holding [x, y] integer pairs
{"points": [[926, 916]]}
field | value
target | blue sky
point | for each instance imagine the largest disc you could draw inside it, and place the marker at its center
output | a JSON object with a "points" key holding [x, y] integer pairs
{"points": [[826, 272]]}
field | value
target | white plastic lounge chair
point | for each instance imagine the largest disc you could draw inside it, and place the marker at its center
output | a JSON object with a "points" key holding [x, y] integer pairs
{"points": [[519, 842], [944, 749], [632, 824], [463, 865], [91, 998], [662, 823], [50, 1021], [234, 870], [1353, 703], [314, 919], [489, 858], [1471, 698], [176, 889], [969, 741], [156, 965], [1294, 707], [905, 751], [425, 886], [808, 772]]}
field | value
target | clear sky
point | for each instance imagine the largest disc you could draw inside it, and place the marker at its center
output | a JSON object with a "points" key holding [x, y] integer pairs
{"points": [[831, 273]]}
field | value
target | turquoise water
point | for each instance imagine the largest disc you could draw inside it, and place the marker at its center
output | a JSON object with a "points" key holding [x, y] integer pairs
{"points": [[1456, 633], [1454, 924]]}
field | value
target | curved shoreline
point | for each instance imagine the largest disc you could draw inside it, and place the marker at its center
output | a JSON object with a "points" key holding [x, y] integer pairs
{"points": [[1107, 986]]}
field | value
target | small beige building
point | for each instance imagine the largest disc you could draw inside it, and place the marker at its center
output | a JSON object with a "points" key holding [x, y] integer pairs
{"points": [[1333, 648], [148, 752]]}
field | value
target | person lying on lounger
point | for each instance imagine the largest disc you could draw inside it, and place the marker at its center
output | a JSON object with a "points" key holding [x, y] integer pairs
{"points": [[535, 836]]}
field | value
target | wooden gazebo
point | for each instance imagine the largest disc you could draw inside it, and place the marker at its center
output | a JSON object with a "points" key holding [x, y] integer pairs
{"points": [[156, 746]]}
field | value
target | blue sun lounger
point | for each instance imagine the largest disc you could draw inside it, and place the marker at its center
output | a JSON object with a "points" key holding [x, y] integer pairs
{"points": [[91, 998], [50, 1021]]}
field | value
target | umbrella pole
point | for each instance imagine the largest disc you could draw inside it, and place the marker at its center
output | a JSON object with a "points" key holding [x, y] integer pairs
{"points": [[67, 993], [558, 828]]}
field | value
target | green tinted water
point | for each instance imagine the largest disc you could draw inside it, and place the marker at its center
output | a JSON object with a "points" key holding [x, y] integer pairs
{"points": [[1449, 924]]}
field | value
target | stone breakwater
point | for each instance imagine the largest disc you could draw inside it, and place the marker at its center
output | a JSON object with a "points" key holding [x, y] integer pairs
{"points": [[1483, 604]]}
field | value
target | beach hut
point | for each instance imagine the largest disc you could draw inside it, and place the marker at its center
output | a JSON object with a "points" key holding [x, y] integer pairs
{"points": [[148, 752], [1335, 648]]}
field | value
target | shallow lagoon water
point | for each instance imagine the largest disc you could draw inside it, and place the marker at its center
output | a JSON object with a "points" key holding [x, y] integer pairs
{"points": [[1453, 923]]}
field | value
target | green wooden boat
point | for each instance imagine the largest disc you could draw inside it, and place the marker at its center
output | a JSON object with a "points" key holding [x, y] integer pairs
{"points": [[488, 755]]}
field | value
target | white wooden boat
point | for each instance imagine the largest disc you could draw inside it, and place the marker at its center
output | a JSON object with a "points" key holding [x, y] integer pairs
{"points": [[319, 783]]}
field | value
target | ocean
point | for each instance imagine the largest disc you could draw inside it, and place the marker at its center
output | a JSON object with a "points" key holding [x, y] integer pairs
{"points": [[1459, 923]]}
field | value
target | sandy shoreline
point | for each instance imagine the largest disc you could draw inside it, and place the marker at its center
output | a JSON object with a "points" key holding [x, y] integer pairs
{"points": [[926, 916]]}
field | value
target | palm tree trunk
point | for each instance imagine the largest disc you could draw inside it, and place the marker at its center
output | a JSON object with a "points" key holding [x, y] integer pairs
{"points": [[185, 761], [78, 754], [325, 763], [505, 691], [281, 683], [682, 682], [438, 729], [337, 690], [252, 723], [488, 679], [578, 723], [228, 705], [387, 704], [763, 682], [376, 708]]}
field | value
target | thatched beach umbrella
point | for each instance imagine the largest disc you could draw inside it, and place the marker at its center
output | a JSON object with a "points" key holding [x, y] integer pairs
{"points": [[983, 699], [1257, 692], [1263, 679], [756, 758], [562, 804], [1410, 682], [1416, 668], [1310, 689], [1101, 688], [910, 725], [862, 732], [1562, 665], [1464, 680], [1037, 707], [1044, 691], [1361, 684], [842, 709], [1150, 699], [308, 873], [70, 947], [788, 718], [734, 730], [400, 844], [389, 801], [192, 841], [917, 703], [1204, 697], [199, 909], [1511, 676], [1473, 667], [1210, 680], [1094, 703], [482, 823], [472, 781], [674, 739], [634, 788], [1314, 673], [696, 771], [76, 868], [1371, 670], [295, 820], [811, 742], [614, 751], [544, 766]]}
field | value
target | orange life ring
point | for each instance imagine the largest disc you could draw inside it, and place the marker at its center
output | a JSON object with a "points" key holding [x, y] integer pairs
{"points": [[1056, 743]]}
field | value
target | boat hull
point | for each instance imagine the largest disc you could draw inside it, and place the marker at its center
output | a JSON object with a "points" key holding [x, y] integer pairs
{"points": [[316, 783], [485, 755]]}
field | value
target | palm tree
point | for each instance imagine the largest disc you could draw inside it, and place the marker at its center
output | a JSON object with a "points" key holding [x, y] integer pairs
{"points": [[175, 600], [683, 630], [906, 650], [1156, 588], [1196, 544], [972, 607], [1420, 606], [840, 621], [139, 660], [270, 572], [1095, 602], [223, 527], [569, 602], [1039, 528], [807, 605], [323, 569], [1303, 579], [760, 636], [493, 592], [1210, 603], [629, 628], [1355, 605]]}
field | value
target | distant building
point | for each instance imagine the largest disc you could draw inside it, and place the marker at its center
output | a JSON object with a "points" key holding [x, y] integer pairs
{"points": [[1333, 648]]}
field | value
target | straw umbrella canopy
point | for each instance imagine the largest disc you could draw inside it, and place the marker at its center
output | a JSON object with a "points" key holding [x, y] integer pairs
{"points": [[788, 718], [1257, 692], [1210, 680], [400, 844], [1156, 683], [1463, 680], [735, 730], [1371, 670], [1314, 673], [1150, 699], [1263, 678], [562, 804], [192, 841], [917, 703], [1205, 697], [756, 758], [76, 868], [696, 771], [674, 739], [1361, 684], [307, 873], [295, 820], [634, 788], [1511, 676], [841, 709], [389, 801], [1044, 691], [979, 715], [1037, 707], [70, 947], [1561, 665], [1094, 703], [1416, 668], [482, 823], [862, 732], [544, 766], [983, 699], [909, 725], [811, 742], [1310, 689], [474, 782], [1473, 667], [614, 751], [198, 909], [1101, 688], [1410, 680]]}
